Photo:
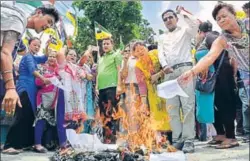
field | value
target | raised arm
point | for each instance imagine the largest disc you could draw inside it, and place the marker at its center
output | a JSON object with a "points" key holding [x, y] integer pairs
{"points": [[192, 22], [61, 55]]}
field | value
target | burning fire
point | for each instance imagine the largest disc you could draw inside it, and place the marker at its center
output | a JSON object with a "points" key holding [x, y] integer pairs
{"points": [[140, 126], [144, 133]]}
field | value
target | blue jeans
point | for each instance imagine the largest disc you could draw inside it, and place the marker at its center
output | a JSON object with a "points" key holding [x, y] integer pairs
{"points": [[245, 110], [244, 96]]}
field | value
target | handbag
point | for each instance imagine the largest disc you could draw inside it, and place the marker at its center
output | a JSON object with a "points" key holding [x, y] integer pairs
{"points": [[208, 85]]}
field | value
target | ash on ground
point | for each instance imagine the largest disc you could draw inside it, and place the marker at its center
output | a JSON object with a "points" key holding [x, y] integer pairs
{"points": [[107, 155]]}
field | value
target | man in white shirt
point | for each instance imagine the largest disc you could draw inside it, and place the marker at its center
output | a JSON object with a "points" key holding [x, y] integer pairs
{"points": [[175, 57]]}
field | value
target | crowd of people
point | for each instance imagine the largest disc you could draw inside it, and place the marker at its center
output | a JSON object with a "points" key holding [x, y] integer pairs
{"points": [[36, 111]]}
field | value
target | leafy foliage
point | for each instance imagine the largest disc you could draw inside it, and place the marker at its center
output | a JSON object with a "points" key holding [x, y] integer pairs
{"points": [[121, 18]]}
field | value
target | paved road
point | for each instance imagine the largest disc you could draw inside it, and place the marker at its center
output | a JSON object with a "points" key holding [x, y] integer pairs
{"points": [[202, 153]]}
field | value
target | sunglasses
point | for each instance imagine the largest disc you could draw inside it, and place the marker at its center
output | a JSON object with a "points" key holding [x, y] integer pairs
{"points": [[168, 18]]}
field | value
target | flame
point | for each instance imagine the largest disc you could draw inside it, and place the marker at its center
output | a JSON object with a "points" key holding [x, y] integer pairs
{"points": [[145, 133], [140, 126]]}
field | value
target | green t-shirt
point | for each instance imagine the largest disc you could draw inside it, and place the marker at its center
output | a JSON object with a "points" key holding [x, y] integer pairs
{"points": [[107, 69]]}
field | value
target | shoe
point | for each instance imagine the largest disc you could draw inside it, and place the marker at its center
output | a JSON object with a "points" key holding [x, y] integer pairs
{"points": [[245, 138], [179, 145], [41, 150], [227, 146], [239, 133], [188, 147]]}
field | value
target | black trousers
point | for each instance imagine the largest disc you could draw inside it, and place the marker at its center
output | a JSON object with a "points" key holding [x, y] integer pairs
{"points": [[225, 101], [21, 132], [107, 104], [239, 116]]}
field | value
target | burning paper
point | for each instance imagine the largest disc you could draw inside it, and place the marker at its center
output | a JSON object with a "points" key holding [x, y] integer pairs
{"points": [[55, 81], [170, 89], [87, 142]]}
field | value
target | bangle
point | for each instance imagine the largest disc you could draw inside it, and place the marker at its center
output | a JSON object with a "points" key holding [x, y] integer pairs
{"points": [[6, 81], [7, 71], [10, 88]]}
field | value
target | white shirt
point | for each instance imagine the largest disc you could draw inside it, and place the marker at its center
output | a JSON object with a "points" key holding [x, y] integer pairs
{"points": [[175, 47]]}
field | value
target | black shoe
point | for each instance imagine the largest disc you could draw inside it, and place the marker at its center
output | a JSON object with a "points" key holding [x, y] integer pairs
{"points": [[188, 147], [42, 150], [179, 145]]}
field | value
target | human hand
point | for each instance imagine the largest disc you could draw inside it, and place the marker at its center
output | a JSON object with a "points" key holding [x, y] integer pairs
{"points": [[179, 9], [204, 74], [96, 92], [10, 100], [83, 75], [186, 77], [89, 77], [48, 42], [168, 70], [118, 91], [46, 81], [154, 78]]}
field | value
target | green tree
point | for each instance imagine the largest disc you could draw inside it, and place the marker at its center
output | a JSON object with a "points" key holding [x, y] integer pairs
{"points": [[161, 32], [120, 18], [146, 32], [85, 36]]}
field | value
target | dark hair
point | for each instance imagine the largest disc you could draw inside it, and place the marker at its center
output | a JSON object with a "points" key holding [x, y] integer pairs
{"points": [[152, 47], [109, 38], [215, 33], [221, 5], [49, 10], [127, 46], [32, 39], [141, 43], [169, 10], [206, 26], [210, 38], [246, 5]]}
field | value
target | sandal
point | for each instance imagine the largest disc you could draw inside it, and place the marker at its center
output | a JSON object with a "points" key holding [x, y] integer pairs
{"points": [[11, 151], [67, 151], [214, 142], [227, 146], [42, 150]]}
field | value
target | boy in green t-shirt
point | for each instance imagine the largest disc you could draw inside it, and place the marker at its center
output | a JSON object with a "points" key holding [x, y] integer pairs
{"points": [[106, 87]]}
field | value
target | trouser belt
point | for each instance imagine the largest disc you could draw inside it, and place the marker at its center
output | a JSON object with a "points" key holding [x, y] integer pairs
{"points": [[182, 65]]}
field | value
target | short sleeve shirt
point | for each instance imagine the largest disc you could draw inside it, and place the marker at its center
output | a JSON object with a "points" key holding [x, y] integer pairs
{"points": [[107, 70], [12, 19]]}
